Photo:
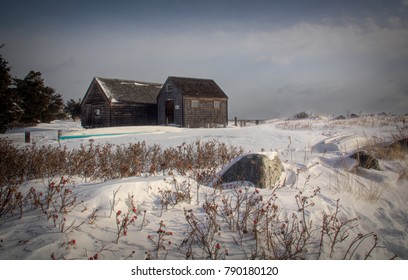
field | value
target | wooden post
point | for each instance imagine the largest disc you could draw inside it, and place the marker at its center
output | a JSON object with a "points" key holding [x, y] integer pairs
{"points": [[27, 136], [236, 121], [198, 196]]}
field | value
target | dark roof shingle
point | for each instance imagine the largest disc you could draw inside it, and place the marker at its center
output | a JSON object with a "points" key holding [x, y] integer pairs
{"points": [[193, 87], [118, 90]]}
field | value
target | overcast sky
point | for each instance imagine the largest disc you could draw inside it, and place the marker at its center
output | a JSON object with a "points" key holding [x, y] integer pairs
{"points": [[272, 58]]}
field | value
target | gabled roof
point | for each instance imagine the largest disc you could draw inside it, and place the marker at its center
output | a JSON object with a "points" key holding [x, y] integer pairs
{"points": [[193, 87], [125, 91]]}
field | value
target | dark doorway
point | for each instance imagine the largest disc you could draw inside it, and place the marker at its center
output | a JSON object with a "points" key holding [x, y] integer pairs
{"points": [[169, 111], [87, 111]]}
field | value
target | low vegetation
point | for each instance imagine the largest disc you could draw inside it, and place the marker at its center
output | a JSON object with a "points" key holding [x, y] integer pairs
{"points": [[260, 226], [108, 161], [303, 121], [201, 160]]}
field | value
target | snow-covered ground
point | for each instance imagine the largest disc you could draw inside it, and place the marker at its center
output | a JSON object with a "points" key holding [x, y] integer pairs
{"points": [[314, 155]]}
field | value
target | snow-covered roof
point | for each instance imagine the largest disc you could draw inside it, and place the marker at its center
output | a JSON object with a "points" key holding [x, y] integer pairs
{"points": [[124, 91]]}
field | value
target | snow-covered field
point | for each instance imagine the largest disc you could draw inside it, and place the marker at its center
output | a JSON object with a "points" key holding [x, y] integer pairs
{"points": [[314, 155]]}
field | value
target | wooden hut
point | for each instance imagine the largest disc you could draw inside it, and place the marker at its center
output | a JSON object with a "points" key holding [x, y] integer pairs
{"points": [[192, 102], [116, 102]]}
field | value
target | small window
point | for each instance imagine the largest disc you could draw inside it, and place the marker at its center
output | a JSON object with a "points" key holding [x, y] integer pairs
{"points": [[169, 88], [217, 104], [97, 112], [194, 103]]}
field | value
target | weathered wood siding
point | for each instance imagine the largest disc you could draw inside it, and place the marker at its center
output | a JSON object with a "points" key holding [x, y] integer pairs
{"points": [[204, 115], [98, 111], [95, 108], [174, 106], [164, 96], [134, 114]]}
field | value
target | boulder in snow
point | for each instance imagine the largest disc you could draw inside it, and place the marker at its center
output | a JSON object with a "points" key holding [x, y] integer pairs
{"points": [[263, 170], [341, 117], [365, 160]]}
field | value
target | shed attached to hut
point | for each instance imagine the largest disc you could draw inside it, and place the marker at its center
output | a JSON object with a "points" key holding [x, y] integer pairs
{"points": [[192, 102]]}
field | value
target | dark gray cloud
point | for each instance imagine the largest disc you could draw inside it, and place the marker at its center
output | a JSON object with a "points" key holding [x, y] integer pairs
{"points": [[271, 57]]}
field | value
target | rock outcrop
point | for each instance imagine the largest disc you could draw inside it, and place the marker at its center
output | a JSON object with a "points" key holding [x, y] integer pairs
{"points": [[365, 160], [263, 170]]}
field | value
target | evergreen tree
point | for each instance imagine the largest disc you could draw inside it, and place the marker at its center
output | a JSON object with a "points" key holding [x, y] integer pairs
{"points": [[73, 108], [39, 102], [26, 101], [5, 77], [56, 107], [10, 110]]}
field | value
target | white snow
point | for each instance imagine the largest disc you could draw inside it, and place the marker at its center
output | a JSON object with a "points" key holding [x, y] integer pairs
{"points": [[124, 130], [104, 87], [313, 158], [341, 144], [139, 84]]}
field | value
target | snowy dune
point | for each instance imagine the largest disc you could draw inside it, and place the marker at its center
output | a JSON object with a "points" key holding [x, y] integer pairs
{"points": [[313, 152]]}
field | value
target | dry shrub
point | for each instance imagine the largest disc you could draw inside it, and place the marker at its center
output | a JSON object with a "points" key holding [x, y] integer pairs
{"points": [[264, 230], [357, 186], [31, 162], [109, 161], [177, 193], [295, 125], [199, 159]]}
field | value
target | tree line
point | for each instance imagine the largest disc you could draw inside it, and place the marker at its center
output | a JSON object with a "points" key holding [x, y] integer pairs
{"points": [[29, 101]]}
